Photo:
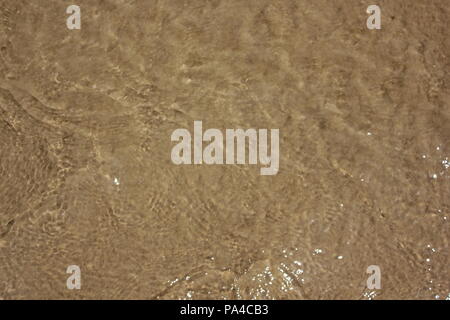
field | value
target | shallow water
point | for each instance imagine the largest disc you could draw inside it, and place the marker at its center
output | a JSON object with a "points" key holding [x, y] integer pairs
{"points": [[86, 176]]}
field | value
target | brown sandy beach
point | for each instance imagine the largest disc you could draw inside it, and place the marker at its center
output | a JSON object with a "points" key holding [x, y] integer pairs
{"points": [[86, 176]]}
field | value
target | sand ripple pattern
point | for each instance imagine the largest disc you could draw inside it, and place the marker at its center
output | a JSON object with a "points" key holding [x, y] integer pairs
{"points": [[86, 177]]}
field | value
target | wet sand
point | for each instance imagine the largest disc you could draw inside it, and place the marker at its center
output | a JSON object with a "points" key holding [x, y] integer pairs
{"points": [[87, 179]]}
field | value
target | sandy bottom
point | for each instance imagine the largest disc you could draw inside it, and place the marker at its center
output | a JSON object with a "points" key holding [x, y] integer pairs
{"points": [[86, 176]]}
